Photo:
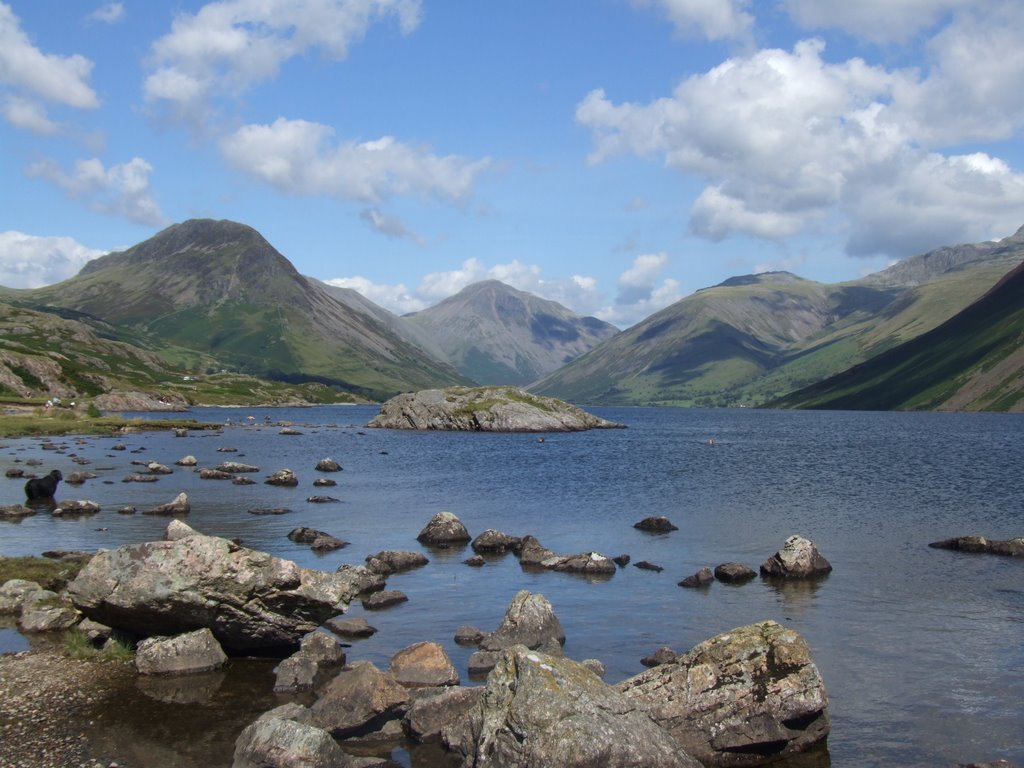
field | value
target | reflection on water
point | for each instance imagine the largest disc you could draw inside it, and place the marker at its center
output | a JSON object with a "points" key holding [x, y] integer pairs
{"points": [[920, 649]]}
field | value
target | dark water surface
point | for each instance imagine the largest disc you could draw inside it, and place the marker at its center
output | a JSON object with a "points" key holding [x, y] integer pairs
{"points": [[921, 650]]}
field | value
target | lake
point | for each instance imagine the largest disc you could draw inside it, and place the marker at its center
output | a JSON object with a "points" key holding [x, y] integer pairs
{"points": [[921, 650]]}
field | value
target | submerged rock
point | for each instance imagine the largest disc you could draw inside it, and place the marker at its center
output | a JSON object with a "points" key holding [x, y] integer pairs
{"points": [[742, 698], [486, 409], [1013, 547]]}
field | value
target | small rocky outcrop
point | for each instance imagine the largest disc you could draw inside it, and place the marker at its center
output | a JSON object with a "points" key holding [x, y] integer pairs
{"points": [[542, 710], [742, 698], [15, 512], [799, 558], [395, 561], [178, 506], [529, 620], [423, 665], [979, 544], [533, 554], [350, 627], [236, 467], [734, 573], [283, 477], [387, 598], [659, 524], [187, 461], [443, 530], [76, 508], [318, 540], [495, 542], [701, 578], [328, 465], [184, 654], [250, 600], [484, 409]]}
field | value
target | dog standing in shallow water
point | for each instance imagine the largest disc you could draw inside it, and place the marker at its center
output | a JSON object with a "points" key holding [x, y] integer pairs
{"points": [[43, 487]]}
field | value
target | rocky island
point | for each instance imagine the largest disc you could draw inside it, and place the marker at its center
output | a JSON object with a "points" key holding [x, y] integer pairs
{"points": [[484, 409]]}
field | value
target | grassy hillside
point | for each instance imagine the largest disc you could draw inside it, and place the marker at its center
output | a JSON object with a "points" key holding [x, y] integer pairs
{"points": [[974, 361]]}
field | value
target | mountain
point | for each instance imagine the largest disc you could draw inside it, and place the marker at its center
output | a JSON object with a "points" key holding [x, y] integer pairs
{"points": [[973, 361], [495, 334], [755, 338], [220, 290]]}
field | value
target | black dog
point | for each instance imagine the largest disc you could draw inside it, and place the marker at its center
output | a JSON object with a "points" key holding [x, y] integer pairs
{"points": [[43, 487]]}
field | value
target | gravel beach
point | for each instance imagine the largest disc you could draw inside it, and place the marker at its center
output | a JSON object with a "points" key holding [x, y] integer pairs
{"points": [[47, 702]]}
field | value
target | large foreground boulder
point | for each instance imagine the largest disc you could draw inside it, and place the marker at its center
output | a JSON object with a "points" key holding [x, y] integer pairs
{"points": [[742, 698], [484, 409], [276, 740], [542, 710], [250, 600]]}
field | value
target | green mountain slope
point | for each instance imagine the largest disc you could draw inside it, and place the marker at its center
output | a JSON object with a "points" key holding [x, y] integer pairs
{"points": [[220, 290], [496, 334], [974, 361], [756, 338]]}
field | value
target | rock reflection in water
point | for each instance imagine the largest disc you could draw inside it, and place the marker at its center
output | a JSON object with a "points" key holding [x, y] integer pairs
{"points": [[181, 689]]}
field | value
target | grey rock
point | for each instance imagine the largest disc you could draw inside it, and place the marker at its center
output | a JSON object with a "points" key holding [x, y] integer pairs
{"points": [[643, 565], [467, 635], [541, 710], [395, 561], [799, 558], [486, 409], [328, 465], [324, 482], [350, 627], [156, 468], [384, 599], [187, 461], [659, 524], [533, 553], [45, 611], [318, 652], [184, 654], [663, 655], [495, 542], [215, 474], [701, 578], [734, 573], [235, 467], [979, 544], [743, 698], [259, 511], [250, 600], [276, 740], [589, 563], [476, 561], [76, 508], [13, 593], [283, 477], [444, 529], [434, 710], [135, 477], [179, 506], [529, 620], [366, 581], [15, 512]]}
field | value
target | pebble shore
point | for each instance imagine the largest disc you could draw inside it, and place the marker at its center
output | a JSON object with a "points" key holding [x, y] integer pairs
{"points": [[46, 704]]}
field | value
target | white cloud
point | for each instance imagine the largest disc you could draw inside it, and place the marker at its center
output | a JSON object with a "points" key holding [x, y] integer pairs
{"points": [[121, 190], [640, 294], [28, 115], [229, 46], [713, 19], [389, 226], [108, 13], [301, 157], [28, 76], [27, 261], [877, 20], [786, 141], [395, 298]]}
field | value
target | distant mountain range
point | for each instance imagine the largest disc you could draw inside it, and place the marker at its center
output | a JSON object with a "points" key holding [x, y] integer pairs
{"points": [[209, 296]]}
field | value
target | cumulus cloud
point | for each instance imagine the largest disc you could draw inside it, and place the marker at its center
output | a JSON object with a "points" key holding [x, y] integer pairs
{"points": [[28, 261], [301, 157], [579, 293], [389, 226], [641, 291], [229, 46], [712, 19], [28, 77], [121, 190], [108, 13], [786, 141], [876, 20]]}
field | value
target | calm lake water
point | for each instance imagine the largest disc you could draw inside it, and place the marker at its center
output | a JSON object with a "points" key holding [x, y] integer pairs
{"points": [[921, 650]]}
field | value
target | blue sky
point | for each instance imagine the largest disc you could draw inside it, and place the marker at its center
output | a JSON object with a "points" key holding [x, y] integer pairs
{"points": [[613, 155]]}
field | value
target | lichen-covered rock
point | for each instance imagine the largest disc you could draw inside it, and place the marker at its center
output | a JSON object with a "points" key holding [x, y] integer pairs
{"points": [[76, 508], [541, 710], [742, 698], [494, 542], [433, 710], [423, 665], [250, 600], [276, 740], [589, 563], [13, 593], [283, 477], [799, 558], [317, 652], [529, 620], [328, 465], [486, 409], [444, 529], [45, 611], [184, 654], [395, 561], [180, 505], [235, 467]]}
